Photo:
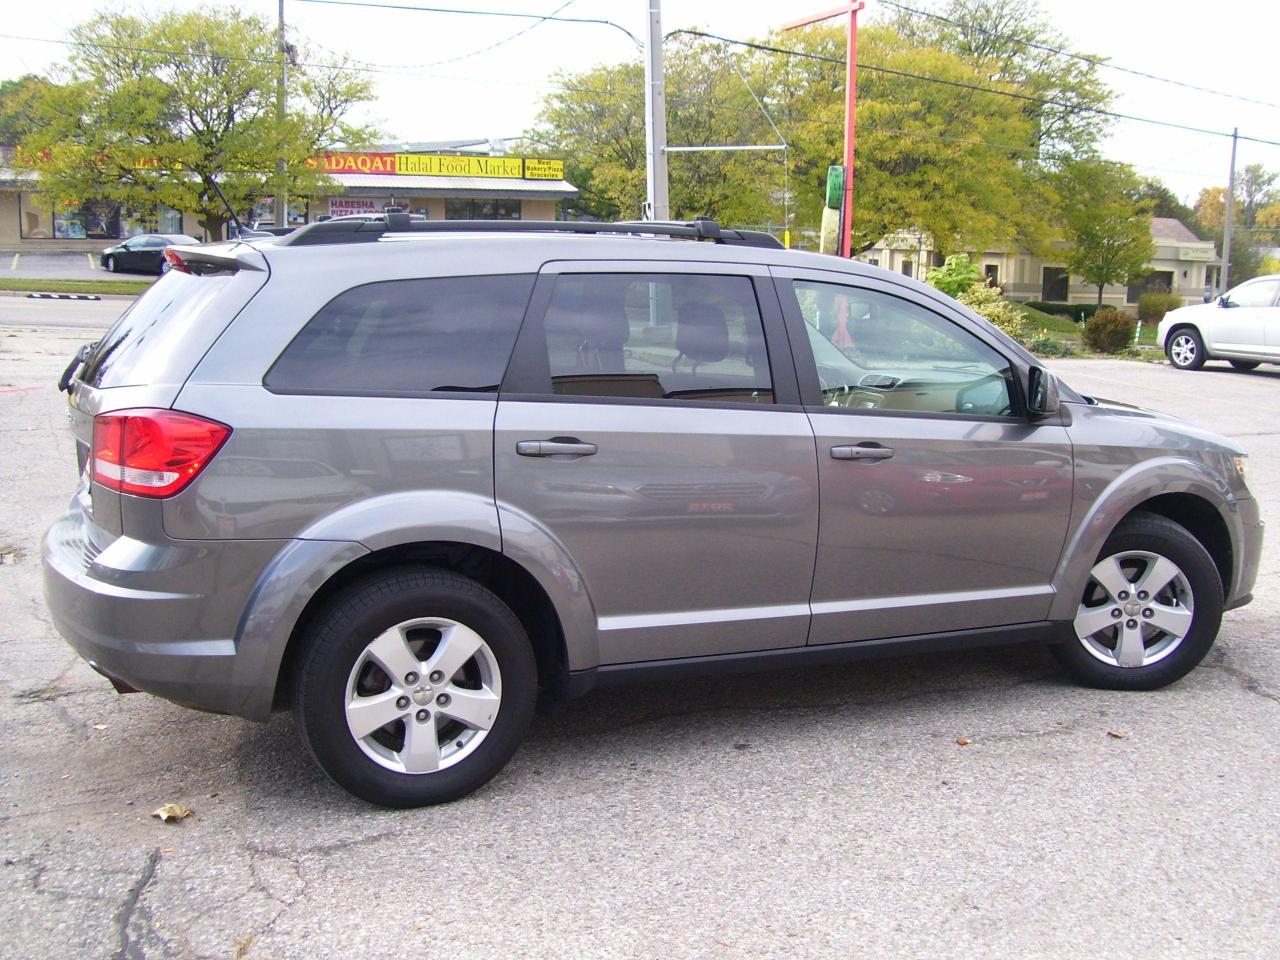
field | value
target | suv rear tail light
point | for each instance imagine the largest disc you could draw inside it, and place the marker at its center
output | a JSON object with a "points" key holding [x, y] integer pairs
{"points": [[153, 453]]}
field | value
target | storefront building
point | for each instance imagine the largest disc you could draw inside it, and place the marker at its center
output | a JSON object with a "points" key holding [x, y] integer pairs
{"points": [[438, 186]]}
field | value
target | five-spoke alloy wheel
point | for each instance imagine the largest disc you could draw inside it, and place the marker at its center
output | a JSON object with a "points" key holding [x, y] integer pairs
{"points": [[415, 686], [1150, 609], [1185, 349]]}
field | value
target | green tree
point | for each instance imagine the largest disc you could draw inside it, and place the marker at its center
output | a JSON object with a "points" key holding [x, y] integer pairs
{"points": [[158, 109], [956, 275], [16, 116], [1211, 210], [1165, 203], [1108, 227]]}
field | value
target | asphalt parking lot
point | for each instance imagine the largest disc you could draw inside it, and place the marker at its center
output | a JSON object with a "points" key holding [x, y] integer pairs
{"points": [[829, 813], [55, 266]]}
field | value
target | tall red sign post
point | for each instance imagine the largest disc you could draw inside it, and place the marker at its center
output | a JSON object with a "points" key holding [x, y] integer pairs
{"points": [[851, 96]]}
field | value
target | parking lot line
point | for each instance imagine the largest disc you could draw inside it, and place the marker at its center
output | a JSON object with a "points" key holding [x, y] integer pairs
{"points": [[14, 265], [89, 257]]}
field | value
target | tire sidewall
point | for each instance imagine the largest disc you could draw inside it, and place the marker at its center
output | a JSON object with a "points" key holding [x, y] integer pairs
{"points": [[350, 623], [1198, 361], [1164, 537]]}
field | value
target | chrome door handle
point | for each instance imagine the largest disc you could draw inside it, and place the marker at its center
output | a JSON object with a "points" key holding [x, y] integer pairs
{"points": [[555, 448], [862, 451]]}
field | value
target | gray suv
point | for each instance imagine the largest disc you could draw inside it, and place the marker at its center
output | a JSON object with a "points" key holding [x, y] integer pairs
{"points": [[402, 477]]}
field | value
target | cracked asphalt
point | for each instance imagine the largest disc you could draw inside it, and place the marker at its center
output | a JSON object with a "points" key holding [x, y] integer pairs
{"points": [[807, 814]]}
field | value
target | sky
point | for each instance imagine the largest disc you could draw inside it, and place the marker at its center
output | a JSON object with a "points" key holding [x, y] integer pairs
{"points": [[437, 81]]}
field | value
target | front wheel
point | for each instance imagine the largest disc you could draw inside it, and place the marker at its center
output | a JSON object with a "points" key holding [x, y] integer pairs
{"points": [[1185, 349], [1150, 610], [110, 264], [415, 687]]}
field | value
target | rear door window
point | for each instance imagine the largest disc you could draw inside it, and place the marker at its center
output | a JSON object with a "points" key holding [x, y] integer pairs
{"points": [[407, 338]]}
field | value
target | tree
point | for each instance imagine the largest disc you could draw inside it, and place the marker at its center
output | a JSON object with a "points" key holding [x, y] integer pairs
{"points": [[160, 109], [1109, 229], [1211, 209], [1165, 203], [16, 118]]}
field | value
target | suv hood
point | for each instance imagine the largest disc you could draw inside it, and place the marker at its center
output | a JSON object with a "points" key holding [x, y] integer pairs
{"points": [[1199, 438]]}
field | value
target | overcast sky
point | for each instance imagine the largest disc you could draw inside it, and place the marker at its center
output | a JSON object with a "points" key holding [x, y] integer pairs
{"points": [[440, 83]]}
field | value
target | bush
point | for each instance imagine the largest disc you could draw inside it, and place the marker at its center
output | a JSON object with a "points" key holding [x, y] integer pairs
{"points": [[1079, 312], [1153, 306], [956, 275], [1109, 330], [987, 301], [1044, 344]]}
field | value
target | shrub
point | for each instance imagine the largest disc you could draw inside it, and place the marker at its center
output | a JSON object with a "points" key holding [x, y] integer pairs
{"points": [[987, 301], [1153, 306], [1109, 330], [956, 275], [1044, 344]]}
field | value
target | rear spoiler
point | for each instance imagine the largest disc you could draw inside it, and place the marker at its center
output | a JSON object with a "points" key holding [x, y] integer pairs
{"points": [[214, 258]]}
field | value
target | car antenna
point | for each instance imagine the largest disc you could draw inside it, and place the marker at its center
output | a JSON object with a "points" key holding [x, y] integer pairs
{"points": [[241, 230]]}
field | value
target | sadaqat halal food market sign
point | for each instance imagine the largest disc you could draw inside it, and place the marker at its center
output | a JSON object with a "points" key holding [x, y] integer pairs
{"points": [[438, 165]]}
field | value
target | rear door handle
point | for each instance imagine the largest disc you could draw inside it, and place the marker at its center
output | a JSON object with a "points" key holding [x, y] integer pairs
{"points": [[559, 447], [862, 451]]}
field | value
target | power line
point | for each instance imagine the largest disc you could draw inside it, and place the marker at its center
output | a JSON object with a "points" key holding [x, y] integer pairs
{"points": [[1076, 107], [504, 40], [480, 13], [1095, 61]]}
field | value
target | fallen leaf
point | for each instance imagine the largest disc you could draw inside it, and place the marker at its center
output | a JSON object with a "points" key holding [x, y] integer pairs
{"points": [[172, 812], [963, 741], [99, 726], [242, 946], [1116, 734]]}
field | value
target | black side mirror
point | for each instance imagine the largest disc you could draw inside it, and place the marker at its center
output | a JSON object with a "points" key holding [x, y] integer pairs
{"points": [[1225, 301], [1042, 393]]}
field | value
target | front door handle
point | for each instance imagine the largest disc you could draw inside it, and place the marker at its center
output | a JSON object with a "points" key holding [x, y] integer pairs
{"points": [[557, 447], [862, 451]]}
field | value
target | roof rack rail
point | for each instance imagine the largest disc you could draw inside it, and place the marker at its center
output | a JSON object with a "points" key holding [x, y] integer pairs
{"points": [[353, 231]]}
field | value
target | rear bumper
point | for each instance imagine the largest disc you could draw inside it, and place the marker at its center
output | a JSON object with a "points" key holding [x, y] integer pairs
{"points": [[159, 617]]}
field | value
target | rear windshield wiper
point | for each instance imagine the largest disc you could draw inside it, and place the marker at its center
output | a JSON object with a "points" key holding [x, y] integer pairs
{"points": [[82, 357]]}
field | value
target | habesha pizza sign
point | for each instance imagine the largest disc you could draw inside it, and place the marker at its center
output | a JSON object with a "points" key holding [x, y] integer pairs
{"points": [[439, 165]]}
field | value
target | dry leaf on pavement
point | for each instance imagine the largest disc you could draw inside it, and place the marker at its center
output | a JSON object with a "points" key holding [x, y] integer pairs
{"points": [[963, 741], [172, 812], [1116, 734]]}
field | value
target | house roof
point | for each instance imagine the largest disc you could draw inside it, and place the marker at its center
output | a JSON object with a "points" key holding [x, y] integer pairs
{"points": [[1169, 228]]}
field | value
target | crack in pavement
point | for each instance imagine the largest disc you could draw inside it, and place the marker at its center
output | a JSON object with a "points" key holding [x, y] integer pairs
{"points": [[131, 949], [1248, 682]]}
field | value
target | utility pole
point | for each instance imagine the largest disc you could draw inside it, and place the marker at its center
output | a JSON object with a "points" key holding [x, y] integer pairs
{"points": [[282, 87], [1226, 224], [655, 117], [849, 9]]}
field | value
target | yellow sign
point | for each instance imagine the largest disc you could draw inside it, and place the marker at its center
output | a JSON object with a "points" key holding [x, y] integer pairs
{"points": [[544, 169], [432, 165]]}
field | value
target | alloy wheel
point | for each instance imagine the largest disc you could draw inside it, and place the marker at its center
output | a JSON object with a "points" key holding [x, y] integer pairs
{"points": [[1182, 351], [1136, 609], [423, 695]]}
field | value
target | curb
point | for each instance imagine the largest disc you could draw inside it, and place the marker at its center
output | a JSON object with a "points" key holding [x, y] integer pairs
{"points": [[27, 294]]}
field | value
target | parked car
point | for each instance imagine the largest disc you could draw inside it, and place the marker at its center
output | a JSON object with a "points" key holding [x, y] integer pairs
{"points": [[143, 253], [1242, 326], [404, 477]]}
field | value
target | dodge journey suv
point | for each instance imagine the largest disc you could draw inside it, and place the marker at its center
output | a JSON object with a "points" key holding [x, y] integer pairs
{"points": [[404, 477]]}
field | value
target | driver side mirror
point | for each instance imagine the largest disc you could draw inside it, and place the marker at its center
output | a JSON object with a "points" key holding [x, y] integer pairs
{"points": [[1042, 393], [1225, 301]]}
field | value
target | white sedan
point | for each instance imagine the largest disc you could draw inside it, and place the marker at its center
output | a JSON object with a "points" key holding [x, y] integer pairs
{"points": [[1242, 326]]}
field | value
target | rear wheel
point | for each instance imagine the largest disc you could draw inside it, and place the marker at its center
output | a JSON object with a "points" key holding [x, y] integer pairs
{"points": [[1245, 364], [1150, 610], [1185, 349], [415, 687]]}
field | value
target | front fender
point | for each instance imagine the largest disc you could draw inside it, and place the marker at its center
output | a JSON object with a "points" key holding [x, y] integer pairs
{"points": [[1141, 482]]}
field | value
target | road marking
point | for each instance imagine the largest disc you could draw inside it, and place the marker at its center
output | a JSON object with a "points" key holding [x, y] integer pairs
{"points": [[16, 257], [34, 386], [89, 257]]}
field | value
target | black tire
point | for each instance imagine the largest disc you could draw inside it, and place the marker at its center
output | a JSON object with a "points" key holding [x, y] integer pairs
{"points": [[1157, 535], [1186, 345], [339, 635], [110, 264], [1245, 364]]}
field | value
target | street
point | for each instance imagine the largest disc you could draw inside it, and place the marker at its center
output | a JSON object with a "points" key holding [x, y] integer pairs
{"points": [[826, 813]]}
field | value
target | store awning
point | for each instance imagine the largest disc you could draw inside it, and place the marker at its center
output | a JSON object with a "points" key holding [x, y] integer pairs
{"points": [[480, 188]]}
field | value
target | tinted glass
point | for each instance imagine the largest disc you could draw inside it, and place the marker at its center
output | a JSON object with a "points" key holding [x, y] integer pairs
{"points": [[878, 352], [657, 337], [407, 338], [1261, 293]]}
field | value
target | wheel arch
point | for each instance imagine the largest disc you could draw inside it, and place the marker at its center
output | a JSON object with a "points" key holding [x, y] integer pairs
{"points": [[511, 582], [1187, 325]]}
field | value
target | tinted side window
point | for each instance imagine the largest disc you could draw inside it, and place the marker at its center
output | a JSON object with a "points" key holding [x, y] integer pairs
{"points": [[1261, 293], [879, 352], [657, 337], [407, 338]]}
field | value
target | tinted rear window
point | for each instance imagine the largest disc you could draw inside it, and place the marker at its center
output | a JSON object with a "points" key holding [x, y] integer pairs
{"points": [[407, 338], [163, 335]]}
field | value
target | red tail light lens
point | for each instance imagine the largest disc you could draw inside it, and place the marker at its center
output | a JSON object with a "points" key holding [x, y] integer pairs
{"points": [[153, 453], [175, 261]]}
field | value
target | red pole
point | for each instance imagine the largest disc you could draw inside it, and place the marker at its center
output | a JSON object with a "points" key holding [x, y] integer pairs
{"points": [[851, 100]]}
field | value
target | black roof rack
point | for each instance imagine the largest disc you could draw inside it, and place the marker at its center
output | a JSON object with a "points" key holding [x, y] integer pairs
{"points": [[353, 231]]}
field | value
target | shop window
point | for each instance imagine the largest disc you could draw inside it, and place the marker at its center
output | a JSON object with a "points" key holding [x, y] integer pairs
{"points": [[991, 272], [163, 220], [96, 220], [908, 268], [465, 209]]}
